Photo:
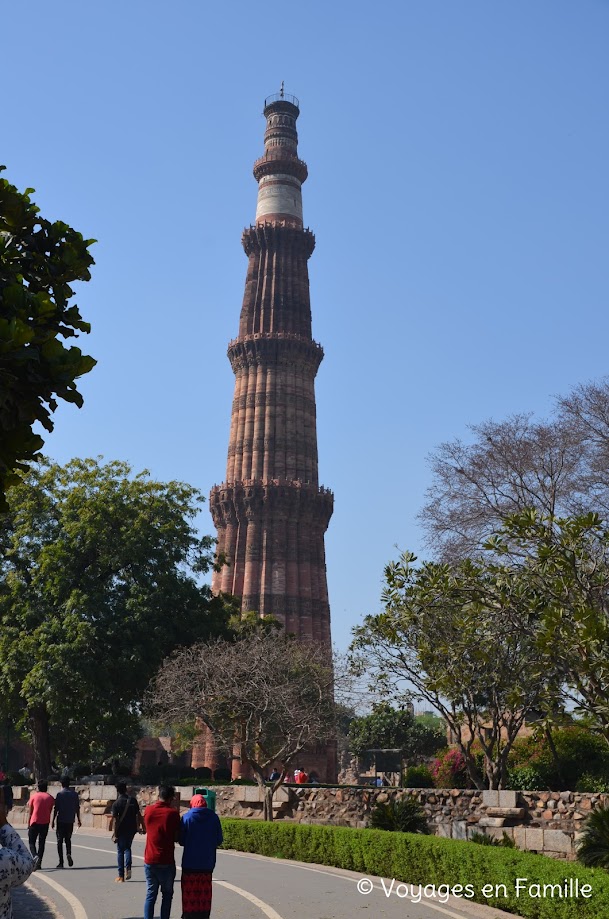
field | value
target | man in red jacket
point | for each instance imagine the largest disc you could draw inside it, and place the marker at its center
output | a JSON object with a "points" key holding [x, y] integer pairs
{"points": [[162, 824], [41, 806]]}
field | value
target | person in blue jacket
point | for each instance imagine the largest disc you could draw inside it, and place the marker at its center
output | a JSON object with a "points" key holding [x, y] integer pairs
{"points": [[200, 835]]}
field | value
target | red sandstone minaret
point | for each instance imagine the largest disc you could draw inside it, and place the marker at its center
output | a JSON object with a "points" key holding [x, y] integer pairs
{"points": [[270, 513]]}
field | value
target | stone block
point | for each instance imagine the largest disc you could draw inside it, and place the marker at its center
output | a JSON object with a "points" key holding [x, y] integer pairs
{"points": [[491, 821], [490, 798], [513, 812], [534, 839], [520, 837], [557, 841], [444, 830], [459, 829], [498, 833], [101, 822], [507, 798], [249, 793], [104, 791]]}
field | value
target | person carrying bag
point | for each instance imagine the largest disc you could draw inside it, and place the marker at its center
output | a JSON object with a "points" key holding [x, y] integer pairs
{"points": [[126, 821]]}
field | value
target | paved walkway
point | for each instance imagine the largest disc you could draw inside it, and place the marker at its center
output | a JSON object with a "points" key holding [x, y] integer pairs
{"points": [[245, 886], [29, 904]]}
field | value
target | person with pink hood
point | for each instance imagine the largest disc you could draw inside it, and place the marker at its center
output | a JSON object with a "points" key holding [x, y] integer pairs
{"points": [[200, 835]]}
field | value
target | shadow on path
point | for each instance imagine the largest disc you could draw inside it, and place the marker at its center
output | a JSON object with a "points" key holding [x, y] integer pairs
{"points": [[29, 904]]}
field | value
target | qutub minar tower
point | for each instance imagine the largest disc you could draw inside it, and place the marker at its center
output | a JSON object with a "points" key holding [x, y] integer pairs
{"points": [[271, 513]]}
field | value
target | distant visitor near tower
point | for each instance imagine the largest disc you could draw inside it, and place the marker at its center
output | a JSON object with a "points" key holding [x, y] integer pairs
{"points": [[270, 513]]}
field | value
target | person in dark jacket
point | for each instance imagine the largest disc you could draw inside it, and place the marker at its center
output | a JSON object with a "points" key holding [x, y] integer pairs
{"points": [[200, 835], [126, 822], [65, 811]]}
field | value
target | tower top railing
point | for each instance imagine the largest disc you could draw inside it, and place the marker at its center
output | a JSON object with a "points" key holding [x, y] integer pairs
{"points": [[282, 97]]}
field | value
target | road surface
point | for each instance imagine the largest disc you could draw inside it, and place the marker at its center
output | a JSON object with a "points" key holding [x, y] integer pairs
{"points": [[245, 887]]}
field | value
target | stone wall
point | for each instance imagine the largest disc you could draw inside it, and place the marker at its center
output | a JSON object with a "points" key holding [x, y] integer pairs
{"points": [[538, 821], [96, 800]]}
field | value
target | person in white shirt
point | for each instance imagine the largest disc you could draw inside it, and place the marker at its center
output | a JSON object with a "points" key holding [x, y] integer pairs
{"points": [[16, 863]]}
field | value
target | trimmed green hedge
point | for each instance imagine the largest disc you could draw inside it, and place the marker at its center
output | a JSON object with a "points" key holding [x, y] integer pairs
{"points": [[425, 860]]}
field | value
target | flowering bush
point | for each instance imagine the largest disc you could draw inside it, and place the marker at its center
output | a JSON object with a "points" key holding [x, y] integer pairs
{"points": [[449, 771]]}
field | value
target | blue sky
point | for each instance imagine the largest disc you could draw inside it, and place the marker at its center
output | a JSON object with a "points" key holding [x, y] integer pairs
{"points": [[458, 189]]}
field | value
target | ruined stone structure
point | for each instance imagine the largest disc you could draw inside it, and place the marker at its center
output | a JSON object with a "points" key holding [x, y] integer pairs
{"points": [[270, 513]]}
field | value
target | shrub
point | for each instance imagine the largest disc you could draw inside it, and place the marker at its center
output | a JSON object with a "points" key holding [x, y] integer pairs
{"points": [[418, 777], [580, 753], [150, 775], [202, 773], [417, 859], [222, 774], [527, 778], [593, 848], [598, 784], [404, 815], [482, 839], [449, 770]]}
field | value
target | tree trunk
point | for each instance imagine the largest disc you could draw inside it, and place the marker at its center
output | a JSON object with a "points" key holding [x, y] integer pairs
{"points": [[472, 767], [38, 723], [555, 756], [268, 803]]}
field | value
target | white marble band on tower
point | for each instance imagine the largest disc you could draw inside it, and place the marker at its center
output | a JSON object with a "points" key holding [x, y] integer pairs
{"points": [[279, 196]]}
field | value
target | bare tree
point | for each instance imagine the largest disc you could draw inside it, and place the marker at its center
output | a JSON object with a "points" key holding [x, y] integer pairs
{"points": [[553, 467], [585, 412], [511, 466], [266, 694]]}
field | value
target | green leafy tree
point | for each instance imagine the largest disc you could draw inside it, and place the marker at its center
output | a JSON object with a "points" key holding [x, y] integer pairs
{"points": [[99, 582], [464, 639], [564, 563], [384, 728], [39, 261], [388, 728]]}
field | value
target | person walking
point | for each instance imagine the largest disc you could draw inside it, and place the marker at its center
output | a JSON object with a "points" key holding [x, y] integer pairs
{"points": [[200, 835], [40, 807], [162, 823], [16, 863], [66, 810], [125, 823]]}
